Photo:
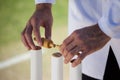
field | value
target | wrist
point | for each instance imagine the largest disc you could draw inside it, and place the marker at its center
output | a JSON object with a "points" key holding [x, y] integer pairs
{"points": [[43, 6], [100, 31]]}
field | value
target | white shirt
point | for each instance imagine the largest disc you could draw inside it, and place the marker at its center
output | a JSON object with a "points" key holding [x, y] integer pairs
{"points": [[106, 10], [106, 13], [44, 1], [84, 13]]}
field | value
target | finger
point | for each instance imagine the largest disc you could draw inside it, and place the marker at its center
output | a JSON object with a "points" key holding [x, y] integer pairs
{"points": [[24, 40], [76, 61], [48, 30], [79, 59], [68, 58], [66, 49], [70, 55], [70, 49], [65, 43], [65, 52], [37, 35], [71, 46], [28, 36]]}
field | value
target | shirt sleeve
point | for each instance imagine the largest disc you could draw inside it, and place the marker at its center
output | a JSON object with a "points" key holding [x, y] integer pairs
{"points": [[110, 20], [44, 1]]}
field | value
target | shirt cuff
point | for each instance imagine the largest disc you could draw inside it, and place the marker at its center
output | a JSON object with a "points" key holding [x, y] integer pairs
{"points": [[108, 29], [44, 1]]}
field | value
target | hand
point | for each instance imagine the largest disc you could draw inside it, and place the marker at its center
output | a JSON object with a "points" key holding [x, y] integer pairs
{"points": [[42, 17], [86, 40]]}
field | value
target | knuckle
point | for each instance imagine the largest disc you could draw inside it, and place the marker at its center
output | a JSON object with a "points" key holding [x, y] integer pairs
{"points": [[64, 42], [36, 30], [34, 22], [64, 55], [76, 33], [33, 19], [66, 51], [26, 34], [71, 54]]}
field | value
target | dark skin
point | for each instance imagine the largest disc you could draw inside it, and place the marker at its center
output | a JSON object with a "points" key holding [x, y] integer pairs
{"points": [[42, 17], [88, 39]]}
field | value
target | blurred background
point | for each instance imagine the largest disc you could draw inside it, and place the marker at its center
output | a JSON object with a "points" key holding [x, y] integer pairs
{"points": [[13, 17]]}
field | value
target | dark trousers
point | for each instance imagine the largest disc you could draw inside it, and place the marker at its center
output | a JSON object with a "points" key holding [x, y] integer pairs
{"points": [[112, 71]]}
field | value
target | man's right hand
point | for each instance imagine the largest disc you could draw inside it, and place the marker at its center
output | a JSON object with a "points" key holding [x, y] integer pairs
{"points": [[42, 17]]}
